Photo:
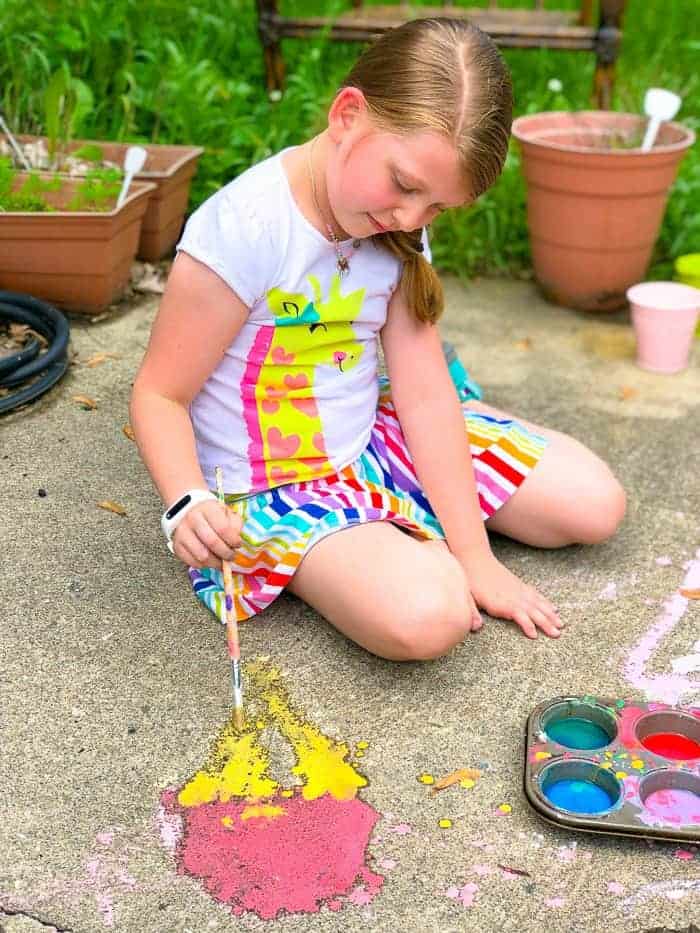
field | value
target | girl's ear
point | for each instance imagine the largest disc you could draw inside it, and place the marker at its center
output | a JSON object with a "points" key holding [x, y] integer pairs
{"points": [[348, 112]]}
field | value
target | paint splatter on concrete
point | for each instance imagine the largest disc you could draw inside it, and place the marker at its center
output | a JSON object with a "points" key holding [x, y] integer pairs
{"points": [[259, 847], [466, 895], [676, 889], [677, 686], [608, 592]]}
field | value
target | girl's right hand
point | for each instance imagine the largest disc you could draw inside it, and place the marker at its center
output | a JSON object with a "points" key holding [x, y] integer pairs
{"points": [[208, 534]]}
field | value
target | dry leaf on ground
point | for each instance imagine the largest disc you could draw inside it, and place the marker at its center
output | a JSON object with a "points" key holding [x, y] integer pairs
{"points": [[462, 774], [628, 392], [100, 358], [88, 403], [514, 871], [112, 507], [524, 344], [129, 431]]}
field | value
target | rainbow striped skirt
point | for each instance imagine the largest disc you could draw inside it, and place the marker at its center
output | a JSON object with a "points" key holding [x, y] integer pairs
{"points": [[282, 524]]}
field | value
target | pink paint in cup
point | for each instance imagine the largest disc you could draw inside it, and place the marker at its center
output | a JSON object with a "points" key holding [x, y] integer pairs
{"points": [[663, 317]]}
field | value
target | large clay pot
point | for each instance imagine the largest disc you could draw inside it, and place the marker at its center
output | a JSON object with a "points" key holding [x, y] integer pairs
{"points": [[595, 203]]}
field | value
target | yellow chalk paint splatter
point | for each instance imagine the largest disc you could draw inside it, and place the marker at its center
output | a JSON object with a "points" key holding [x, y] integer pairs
{"points": [[621, 775], [287, 793], [467, 783], [226, 821], [539, 756], [237, 768], [504, 807], [444, 824], [637, 763], [363, 745], [606, 764], [238, 765], [426, 778], [260, 810]]}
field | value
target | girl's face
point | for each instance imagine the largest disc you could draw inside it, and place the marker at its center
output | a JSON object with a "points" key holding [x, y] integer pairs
{"points": [[379, 181]]}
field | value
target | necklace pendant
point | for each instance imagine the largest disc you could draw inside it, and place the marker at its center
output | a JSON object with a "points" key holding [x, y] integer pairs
{"points": [[343, 265]]}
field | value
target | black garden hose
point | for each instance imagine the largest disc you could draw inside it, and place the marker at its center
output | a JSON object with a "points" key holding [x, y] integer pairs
{"points": [[27, 362]]}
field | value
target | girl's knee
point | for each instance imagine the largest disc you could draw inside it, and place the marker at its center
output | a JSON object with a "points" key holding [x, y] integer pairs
{"points": [[428, 626], [604, 513]]}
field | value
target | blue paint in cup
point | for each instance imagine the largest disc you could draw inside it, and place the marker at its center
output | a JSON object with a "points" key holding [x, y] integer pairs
{"points": [[578, 796]]}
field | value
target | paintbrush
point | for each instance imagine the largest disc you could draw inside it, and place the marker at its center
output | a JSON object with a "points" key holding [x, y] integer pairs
{"points": [[234, 647]]}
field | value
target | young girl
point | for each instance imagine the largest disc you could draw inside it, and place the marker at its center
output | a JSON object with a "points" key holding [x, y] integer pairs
{"points": [[368, 498]]}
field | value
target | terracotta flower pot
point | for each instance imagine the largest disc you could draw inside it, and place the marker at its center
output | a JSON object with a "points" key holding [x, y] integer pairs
{"points": [[170, 169], [595, 208], [77, 260]]}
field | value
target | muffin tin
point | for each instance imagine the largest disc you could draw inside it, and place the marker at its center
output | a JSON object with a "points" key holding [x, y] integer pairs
{"points": [[615, 766]]}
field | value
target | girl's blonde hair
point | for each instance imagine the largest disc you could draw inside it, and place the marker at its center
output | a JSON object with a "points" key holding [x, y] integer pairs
{"points": [[444, 75]]}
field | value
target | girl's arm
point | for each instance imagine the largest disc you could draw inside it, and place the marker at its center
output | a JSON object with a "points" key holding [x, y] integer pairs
{"points": [[432, 422], [198, 318]]}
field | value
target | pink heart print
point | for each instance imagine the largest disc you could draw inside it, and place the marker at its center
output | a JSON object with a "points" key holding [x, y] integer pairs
{"points": [[281, 447], [280, 476], [269, 404], [299, 381], [280, 357]]}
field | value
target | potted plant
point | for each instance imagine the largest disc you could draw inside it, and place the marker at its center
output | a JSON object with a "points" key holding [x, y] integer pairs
{"points": [[63, 239], [595, 201], [169, 169]]}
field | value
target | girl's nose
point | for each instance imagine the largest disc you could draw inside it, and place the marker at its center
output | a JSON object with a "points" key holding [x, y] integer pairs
{"points": [[410, 217]]}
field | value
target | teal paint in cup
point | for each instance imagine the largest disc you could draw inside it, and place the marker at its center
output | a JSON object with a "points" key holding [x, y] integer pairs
{"points": [[579, 724], [577, 733]]}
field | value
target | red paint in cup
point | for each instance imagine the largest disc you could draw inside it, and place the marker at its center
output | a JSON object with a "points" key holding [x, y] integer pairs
{"points": [[672, 745]]}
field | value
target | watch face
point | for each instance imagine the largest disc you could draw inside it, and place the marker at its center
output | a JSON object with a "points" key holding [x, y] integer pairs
{"points": [[179, 505]]}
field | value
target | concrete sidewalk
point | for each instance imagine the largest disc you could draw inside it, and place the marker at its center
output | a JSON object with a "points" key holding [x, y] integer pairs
{"points": [[115, 681]]}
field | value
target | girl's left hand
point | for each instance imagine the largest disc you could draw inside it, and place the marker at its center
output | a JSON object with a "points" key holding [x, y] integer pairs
{"points": [[500, 593]]}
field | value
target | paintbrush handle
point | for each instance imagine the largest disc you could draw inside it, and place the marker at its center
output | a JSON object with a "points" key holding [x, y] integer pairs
{"points": [[234, 647]]}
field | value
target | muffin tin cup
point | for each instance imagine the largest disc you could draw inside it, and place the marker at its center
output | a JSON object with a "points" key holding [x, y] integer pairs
{"points": [[617, 784], [672, 734]]}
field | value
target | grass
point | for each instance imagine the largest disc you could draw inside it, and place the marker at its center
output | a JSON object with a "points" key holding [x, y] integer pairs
{"points": [[190, 71]]}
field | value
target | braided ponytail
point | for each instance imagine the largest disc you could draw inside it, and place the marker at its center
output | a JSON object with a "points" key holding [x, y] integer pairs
{"points": [[419, 281]]}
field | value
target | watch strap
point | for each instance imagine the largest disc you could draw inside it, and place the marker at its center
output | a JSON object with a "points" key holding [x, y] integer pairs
{"points": [[174, 514]]}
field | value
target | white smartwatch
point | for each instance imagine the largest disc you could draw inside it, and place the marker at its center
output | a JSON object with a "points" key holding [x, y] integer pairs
{"points": [[173, 516]]}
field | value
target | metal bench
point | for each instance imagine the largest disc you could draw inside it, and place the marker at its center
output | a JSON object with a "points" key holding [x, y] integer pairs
{"points": [[509, 27]]}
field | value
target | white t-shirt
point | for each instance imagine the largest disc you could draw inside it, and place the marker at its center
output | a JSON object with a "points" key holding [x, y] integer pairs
{"points": [[295, 395]]}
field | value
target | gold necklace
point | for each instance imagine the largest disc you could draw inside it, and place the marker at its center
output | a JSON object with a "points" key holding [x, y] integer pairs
{"points": [[341, 258]]}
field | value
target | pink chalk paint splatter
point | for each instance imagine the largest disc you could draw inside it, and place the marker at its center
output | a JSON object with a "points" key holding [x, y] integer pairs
{"points": [[684, 855], [401, 829], [466, 895], [313, 854], [670, 688], [554, 901], [664, 561], [608, 592], [614, 887]]}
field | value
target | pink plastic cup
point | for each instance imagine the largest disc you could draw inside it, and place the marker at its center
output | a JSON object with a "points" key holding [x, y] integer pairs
{"points": [[663, 316]]}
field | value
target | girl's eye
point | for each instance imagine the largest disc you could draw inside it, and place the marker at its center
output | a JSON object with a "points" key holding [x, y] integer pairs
{"points": [[402, 188]]}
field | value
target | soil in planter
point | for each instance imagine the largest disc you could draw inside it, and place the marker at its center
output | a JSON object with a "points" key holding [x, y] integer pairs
{"points": [[96, 192]]}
